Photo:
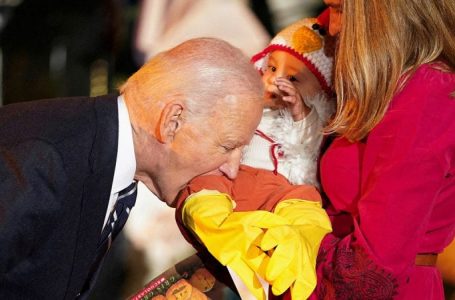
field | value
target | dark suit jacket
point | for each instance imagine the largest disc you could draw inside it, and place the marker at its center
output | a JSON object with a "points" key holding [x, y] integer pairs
{"points": [[57, 160]]}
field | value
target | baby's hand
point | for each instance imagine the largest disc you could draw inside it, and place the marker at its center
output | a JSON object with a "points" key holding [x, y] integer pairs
{"points": [[292, 98]]}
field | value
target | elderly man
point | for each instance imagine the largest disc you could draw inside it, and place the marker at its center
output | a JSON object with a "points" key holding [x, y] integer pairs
{"points": [[68, 167]]}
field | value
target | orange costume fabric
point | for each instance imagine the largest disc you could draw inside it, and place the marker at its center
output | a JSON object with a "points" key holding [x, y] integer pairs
{"points": [[252, 189]]}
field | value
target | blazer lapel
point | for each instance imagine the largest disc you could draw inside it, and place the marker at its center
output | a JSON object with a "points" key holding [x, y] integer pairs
{"points": [[96, 191]]}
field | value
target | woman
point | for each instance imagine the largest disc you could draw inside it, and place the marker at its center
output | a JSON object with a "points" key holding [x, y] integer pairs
{"points": [[390, 173]]}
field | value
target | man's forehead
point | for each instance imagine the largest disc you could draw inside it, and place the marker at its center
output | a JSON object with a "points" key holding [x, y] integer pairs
{"points": [[237, 117], [238, 107], [238, 103]]}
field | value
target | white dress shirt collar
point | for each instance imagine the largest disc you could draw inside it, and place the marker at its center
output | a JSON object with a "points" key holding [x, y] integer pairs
{"points": [[125, 166]]}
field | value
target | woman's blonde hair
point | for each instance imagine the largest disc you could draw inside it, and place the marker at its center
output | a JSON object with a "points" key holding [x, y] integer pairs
{"points": [[379, 42]]}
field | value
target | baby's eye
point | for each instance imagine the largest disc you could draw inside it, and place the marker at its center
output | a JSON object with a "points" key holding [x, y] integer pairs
{"points": [[292, 78]]}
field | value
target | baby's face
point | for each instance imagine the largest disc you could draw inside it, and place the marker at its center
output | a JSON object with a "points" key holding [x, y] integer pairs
{"points": [[285, 65]]}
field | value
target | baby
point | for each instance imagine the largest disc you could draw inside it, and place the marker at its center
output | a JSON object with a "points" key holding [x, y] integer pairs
{"points": [[276, 187], [297, 76]]}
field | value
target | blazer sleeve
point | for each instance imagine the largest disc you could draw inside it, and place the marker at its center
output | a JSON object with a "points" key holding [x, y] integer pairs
{"points": [[32, 183]]}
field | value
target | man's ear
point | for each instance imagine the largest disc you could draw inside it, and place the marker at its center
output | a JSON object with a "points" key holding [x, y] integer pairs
{"points": [[170, 121]]}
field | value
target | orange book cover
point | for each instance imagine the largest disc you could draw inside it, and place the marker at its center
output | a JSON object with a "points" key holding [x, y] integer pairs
{"points": [[198, 277]]}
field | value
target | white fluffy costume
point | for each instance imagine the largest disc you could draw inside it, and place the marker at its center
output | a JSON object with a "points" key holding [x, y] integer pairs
{"points": [[280, 144]]}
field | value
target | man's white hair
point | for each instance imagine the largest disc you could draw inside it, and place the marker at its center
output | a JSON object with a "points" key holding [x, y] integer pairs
{"points": [[200, 72]]}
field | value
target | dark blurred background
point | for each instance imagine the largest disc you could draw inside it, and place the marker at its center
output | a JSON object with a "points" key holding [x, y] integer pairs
{"points": [[51, 48], [55, 48]]}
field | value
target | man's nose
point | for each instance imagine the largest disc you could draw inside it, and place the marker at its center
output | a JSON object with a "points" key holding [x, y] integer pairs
{"points": [[231, 167]]}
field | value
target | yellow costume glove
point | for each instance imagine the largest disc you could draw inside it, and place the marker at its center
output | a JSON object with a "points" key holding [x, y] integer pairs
{"points": [[231, 237], [293, 260]]}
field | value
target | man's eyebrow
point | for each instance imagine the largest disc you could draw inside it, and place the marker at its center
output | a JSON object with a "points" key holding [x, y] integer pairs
{"points": [[237, 142]]}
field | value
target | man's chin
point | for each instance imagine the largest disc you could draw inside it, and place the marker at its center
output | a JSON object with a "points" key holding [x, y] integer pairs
{"points": [[171, 198]]}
